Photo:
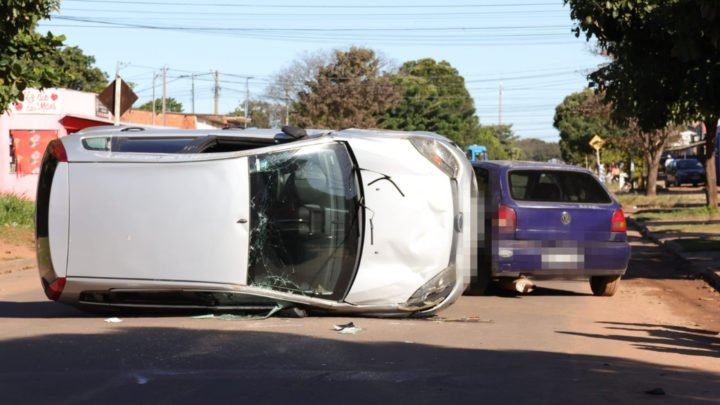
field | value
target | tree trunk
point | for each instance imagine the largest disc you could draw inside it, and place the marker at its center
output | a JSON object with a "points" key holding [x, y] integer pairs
{"points": [[653, 164], [710, 174]]}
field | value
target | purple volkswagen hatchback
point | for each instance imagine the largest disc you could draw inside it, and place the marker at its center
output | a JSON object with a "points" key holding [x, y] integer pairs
{"points": [[547, 221]]}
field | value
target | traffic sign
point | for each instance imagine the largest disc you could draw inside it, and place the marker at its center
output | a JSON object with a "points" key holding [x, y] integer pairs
{"points": [[597, 142]]}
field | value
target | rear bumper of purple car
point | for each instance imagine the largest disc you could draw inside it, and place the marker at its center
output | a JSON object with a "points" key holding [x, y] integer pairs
{"points": [[541, 259]]}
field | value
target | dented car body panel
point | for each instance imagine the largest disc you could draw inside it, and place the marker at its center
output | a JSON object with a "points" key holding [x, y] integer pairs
{"points": [[362, 221]]}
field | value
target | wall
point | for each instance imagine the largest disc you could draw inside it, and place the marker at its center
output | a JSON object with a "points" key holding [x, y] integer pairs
{"points": [[42, 110]]}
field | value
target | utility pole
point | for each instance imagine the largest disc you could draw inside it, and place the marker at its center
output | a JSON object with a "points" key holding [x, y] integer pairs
{"points": [[153, 99], [287, 106], [116, 113], [247, 98], [164, 101], [193, 92], [217, 91], [500, 107]]}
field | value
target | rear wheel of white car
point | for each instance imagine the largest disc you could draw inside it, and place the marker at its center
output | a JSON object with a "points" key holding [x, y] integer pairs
{"points": [[604, 286]]}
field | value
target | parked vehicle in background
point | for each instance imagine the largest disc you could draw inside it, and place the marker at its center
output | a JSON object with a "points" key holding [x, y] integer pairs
{"points": [[476, 153], [683, 171], [322, 220], [541, 220]]}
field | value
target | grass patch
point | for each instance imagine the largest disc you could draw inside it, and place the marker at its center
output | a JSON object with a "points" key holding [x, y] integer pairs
{"points": [[686, 228], [659, 201], [692, 213], [16, 212], [699, 244]]}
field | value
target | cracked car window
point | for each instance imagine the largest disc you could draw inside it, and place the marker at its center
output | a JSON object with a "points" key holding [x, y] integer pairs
{"points": [[304, 231]]}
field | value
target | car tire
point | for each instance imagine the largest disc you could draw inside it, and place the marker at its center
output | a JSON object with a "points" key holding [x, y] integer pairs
{"points": [[604, 286]]}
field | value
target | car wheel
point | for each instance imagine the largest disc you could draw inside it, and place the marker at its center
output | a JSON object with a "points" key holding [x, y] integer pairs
{"points": [[604, 286]]}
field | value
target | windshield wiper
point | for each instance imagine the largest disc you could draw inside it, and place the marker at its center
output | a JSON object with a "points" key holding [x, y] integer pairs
{"points": [[383, 176]]}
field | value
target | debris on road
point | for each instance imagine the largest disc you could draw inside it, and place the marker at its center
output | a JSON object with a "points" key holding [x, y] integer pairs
{"points": [[464, 319], [348, 328]]}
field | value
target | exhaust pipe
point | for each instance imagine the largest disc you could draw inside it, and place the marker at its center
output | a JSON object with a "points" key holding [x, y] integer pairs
{"points": [[521, 285]]}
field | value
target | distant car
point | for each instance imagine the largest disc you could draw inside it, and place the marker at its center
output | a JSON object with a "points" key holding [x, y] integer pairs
{"points": [[541, 220], [376, 222], [683, 171]]}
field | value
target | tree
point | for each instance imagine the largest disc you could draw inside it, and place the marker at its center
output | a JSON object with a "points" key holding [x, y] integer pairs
{"points": [[665, 63], [433, 98], [538, 150], [171, 105], [287, 84], [349, 92], [579, 118], [506, 137], [80, 74], [20, 45], [262, 113]]}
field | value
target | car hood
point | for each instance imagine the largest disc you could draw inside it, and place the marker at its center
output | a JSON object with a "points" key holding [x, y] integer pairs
{"points": [[408, 222]]}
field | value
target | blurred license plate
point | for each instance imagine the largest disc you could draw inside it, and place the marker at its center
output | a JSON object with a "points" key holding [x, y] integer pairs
{"points": [[563, 258]]}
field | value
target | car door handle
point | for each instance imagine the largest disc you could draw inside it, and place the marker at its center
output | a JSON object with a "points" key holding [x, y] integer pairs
{"points": [[242, 221]]}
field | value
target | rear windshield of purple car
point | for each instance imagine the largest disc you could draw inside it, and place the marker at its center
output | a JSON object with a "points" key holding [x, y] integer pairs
{"points": [[557, 186]]}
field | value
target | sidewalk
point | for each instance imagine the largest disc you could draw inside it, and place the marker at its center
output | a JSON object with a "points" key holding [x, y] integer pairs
{"points": [[703, 264]]}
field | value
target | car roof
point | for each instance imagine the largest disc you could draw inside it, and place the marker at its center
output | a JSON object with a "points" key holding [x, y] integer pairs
{"points": [[523, 164]]}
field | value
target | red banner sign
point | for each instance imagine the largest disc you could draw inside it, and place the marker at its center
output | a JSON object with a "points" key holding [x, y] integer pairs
{"points": [[28, 148]]}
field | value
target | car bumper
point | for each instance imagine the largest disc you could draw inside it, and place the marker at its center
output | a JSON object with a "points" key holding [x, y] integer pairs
{"points": [[560, 258]]}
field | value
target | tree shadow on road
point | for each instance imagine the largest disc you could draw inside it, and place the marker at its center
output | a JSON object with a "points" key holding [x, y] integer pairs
{"points": [[661, 338], [233, 364]]}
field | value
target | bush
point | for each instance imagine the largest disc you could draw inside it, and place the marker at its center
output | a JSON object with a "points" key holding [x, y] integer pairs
{"points": [[16, 212]]}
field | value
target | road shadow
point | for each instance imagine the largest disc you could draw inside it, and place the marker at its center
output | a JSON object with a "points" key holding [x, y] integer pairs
{"points": [[660, 338], [648, 260], [151, 365]]}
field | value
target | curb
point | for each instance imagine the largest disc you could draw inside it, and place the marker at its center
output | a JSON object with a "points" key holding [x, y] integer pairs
{"points": [[17, 264], [709, 274]]}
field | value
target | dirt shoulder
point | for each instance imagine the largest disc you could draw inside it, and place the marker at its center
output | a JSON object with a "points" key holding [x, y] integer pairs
{"points": [[16, 243]]}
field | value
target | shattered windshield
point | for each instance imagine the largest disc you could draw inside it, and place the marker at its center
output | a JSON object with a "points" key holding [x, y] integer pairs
{"points": [[304, 230]]}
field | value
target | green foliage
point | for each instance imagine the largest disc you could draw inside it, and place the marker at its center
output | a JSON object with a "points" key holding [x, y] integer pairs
{"points": [[16, 212], [538, 150], [80, 74], [433, 98], [506, 137], [262, 113], [171, 105], [20, 46], [579, 118], [348, 92], [665, 63]]}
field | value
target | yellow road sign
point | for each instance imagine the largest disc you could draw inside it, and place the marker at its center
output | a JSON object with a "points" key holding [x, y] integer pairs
{"points": [[597, 142]]}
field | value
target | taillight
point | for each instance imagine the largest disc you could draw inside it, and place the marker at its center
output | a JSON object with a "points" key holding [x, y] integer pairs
{"points": [[618, 221], [56, 288], [506, 219], [57, 149]]}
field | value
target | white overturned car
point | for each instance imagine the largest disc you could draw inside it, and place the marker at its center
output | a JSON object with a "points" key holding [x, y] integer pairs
{"points": [[373, 222]]}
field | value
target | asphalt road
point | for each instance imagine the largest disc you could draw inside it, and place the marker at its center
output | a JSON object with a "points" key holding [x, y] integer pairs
{"points": [[559, 344]]}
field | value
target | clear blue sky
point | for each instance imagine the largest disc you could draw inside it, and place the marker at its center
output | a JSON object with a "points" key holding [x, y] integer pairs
{"points": [[525, 44]]}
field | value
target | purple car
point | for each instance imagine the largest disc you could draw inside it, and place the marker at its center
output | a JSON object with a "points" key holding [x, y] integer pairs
{"points": [[547, 221]]}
